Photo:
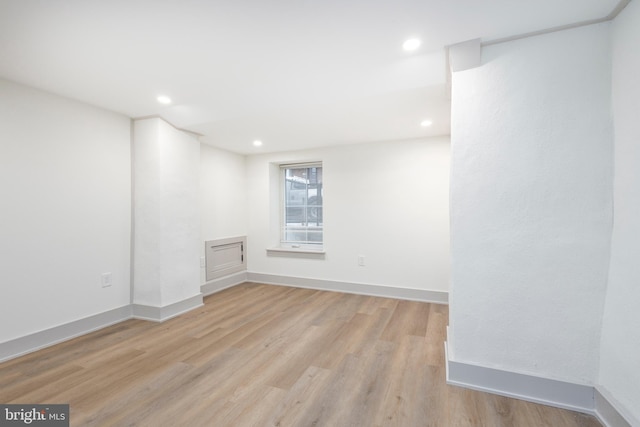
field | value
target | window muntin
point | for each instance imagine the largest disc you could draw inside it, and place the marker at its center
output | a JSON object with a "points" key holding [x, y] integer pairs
{"points": [[302, 213]]}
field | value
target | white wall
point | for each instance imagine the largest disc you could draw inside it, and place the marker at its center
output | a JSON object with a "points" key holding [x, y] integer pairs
{"points": [[386, 201], [620, 345], [65, 177], [166, 214], [222, 193], [531, 205], [223, 207]]}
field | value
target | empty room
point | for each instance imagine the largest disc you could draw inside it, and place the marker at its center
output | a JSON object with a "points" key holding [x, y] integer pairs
{"points": [[320, 213]]}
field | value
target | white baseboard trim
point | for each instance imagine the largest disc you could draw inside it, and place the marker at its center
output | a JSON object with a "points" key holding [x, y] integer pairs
{"points": [[561, 394], [39, 340], [575, 397], [438, 297], [225, 282], [160, 314], [36, 341], [610, 412]]}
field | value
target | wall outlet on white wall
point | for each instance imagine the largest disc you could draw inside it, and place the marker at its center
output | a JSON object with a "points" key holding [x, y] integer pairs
{"points": [[106, 280], [361, 260], [203, 262]]}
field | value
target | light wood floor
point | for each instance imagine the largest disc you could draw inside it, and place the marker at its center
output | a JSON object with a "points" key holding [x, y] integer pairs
{"points": [[260, 355]]}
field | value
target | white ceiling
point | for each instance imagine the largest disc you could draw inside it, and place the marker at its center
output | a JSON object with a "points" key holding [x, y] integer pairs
{"points": [[293, 73]]}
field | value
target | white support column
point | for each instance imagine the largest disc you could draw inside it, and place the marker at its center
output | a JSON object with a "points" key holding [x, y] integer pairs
{"points": [[166, 220]]}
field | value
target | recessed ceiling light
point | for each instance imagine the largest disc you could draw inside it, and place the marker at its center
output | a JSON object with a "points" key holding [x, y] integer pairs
{"points": [[257, 143], [162, 99], [426, 123], [411, 44]]}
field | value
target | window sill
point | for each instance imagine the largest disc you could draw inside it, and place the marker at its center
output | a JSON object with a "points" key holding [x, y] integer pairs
{"points": [[296, 252]]}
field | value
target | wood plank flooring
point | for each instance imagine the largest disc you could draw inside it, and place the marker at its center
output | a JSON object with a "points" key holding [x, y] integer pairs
{"points": [[262, 355]]}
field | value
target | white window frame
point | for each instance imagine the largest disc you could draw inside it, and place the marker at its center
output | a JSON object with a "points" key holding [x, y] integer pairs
{"points": [[311, 247]]}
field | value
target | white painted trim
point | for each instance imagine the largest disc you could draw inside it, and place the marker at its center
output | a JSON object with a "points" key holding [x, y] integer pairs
{"points": [[39, 340], [284, 251], [160, 314], [575, 397], [438, 297], [57, 334], [588, 399], [610, 412], [217, 285]]}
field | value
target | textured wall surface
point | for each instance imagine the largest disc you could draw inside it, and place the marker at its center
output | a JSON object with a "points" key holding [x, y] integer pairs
{"points": [[531, 202], [620, 345]]}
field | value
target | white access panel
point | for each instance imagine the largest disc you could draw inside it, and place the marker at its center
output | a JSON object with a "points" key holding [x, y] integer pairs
{"points": [[225, 256]]}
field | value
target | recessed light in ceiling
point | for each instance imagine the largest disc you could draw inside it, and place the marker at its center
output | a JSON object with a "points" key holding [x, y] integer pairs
{"points": [[257, 143], [426, 123], [411, 44], [162, 99]]}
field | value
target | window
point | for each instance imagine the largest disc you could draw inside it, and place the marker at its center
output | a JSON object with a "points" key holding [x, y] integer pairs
{"points": [[301, 224]]}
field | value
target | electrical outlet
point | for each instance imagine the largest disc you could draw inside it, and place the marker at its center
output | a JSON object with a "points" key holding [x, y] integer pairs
{"points": [[106, 280], [203, 262], [361, 260]]}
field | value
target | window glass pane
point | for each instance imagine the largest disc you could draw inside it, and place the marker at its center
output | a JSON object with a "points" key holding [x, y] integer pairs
{"points": [[302, 216]]}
